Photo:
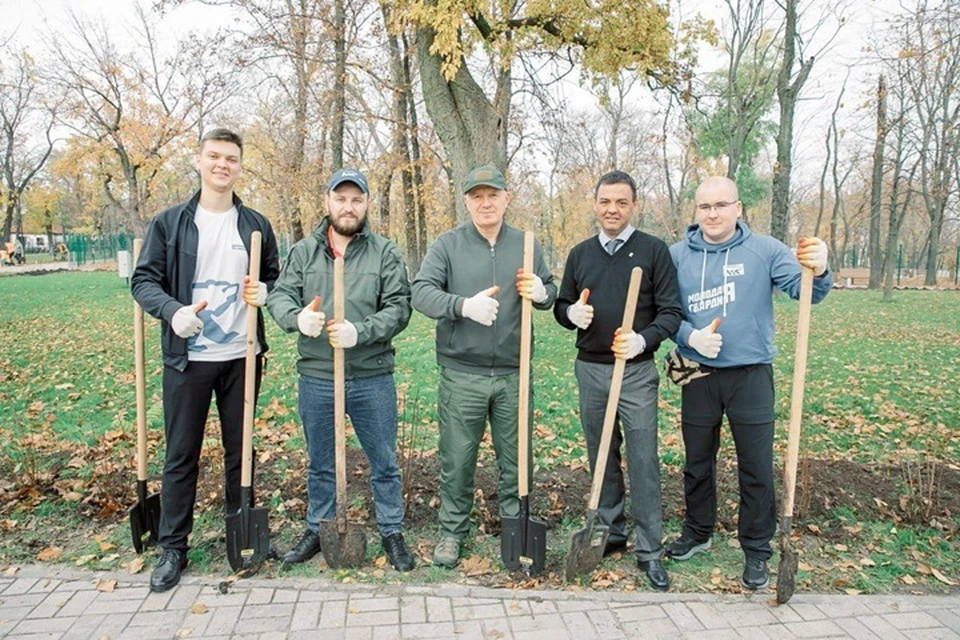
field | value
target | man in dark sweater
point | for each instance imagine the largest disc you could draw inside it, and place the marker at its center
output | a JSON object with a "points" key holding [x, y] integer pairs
{"points": [[591, 299]]}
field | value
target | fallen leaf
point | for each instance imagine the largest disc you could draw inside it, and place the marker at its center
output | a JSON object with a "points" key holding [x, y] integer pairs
{"points": [[199, 608], [924, 569], [104, 545], [867, 562], [852, 592], [840, 547], [49, 554], [476, 566], [380, 561], [353, 610], [907, 579], [72, 496], [942, 578], [814, 529], [107, 586], [184, 632], [805, 566], [11, 571], [135, 565]]}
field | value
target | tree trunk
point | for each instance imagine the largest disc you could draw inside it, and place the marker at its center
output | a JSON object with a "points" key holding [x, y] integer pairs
{"points": [[787, 93], [876, 190], [473, 130], [340, 84]]}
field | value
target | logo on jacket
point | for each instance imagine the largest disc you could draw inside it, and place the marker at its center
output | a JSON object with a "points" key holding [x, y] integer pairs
{"points": [[712, 298], [731, 270]]}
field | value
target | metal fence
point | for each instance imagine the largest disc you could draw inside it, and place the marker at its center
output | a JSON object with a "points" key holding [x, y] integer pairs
{"points": [[87, 249]]}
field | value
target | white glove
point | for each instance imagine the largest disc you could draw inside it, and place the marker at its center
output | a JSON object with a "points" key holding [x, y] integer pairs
{"points": [[342, 335], [581, 313], [706, 341], [628, 345], [185, 322], [812, 254], [530, 286], [254, 293], [482, 307], [310, 319]]}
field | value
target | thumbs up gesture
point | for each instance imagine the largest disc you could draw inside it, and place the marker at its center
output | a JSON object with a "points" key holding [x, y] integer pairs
{"points": [[482, 307], [310, 319], [581, 313], [185, 322], [706, 341]]}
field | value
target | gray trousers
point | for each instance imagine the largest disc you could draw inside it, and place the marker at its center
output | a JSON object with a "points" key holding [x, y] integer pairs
{"points": [[637, 424]]}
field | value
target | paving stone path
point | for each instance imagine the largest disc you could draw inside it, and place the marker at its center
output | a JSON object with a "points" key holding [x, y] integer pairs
{"points": [[43, 602]]}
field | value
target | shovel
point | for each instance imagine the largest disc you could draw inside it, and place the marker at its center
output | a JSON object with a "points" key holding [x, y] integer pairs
{"points": [[523, 540], [344, 545], [248, 531], [145, 514], [787, 569], [587, 544]]}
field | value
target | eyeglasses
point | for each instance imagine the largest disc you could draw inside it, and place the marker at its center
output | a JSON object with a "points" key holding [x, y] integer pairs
{"points": [[718, 206]]}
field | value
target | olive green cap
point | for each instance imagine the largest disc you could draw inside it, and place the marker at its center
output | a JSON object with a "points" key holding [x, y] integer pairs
{"points": [[485, 176]]}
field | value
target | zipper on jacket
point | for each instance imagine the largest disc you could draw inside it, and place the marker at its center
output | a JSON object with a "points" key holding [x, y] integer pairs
{"points": [[493, 265]]}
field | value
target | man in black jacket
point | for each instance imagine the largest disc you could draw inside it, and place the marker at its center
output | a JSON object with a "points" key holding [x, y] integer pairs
{"points": [[592, 295], [192, 276]]}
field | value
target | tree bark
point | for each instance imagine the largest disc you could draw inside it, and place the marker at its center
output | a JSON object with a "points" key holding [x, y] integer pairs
{"points": [[787, 93], [876, 190], [339, 84]]}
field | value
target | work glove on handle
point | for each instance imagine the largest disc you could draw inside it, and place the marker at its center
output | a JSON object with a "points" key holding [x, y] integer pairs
{"points": [[706, 341], [627, 344], [812, 254], [580, 313], [482, 308], [343, 335], [185, 322], [310, 319], [254, 293], [530, 286]]}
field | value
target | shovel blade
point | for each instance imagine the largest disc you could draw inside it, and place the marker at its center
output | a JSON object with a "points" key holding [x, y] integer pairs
{"points": [[786, 571], [248, 538], [145, 522], [586, 548], [523, 544], [342, 550]]}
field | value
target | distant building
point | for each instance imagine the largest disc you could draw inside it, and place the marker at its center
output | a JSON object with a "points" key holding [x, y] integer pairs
{"points": [[36, 242]]}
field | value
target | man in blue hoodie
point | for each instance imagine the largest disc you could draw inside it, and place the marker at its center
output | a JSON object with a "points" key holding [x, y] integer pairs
{"points": [[727, 272]]}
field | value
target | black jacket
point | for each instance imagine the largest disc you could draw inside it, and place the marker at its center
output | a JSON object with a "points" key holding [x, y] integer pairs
{"points": [[163, 278]]}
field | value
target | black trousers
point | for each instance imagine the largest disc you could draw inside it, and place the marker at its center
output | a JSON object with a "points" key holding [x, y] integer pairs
{"points": [[186, 404], [745, 394]]}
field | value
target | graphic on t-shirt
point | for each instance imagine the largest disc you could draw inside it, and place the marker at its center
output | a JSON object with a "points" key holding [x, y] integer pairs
{"points": [[220, 296], [711, 298]]}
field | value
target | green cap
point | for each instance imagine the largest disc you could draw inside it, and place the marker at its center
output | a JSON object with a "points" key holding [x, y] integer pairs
{"points": [[485, 176]]}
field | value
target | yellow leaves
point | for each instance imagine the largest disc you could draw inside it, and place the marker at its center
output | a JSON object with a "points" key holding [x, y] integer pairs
{"points": [[135, 565], [106, 586], [942, 578], [199, 609], [104, 545], [49, 554], [476, 566], [603, 579]]}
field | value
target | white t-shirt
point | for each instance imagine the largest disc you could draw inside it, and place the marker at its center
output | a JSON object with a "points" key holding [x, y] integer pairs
{"points": [[222, 263]]}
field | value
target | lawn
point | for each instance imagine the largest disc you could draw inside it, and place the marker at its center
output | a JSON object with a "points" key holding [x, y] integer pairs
{"points": [[879, 498]]}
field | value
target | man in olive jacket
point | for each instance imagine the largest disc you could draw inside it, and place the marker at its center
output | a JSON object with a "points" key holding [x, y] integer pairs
{"points": [[472, 282], [377, 307]]}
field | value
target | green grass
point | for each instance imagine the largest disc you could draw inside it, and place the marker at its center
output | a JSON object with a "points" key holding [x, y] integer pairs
{"points": [[881, 387]]}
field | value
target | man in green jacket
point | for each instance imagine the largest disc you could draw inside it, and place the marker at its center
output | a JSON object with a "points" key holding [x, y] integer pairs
{"points": [[377, 307], [472, 281]]}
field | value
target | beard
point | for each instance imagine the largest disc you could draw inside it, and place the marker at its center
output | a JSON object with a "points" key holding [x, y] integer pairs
{"points": [[348, 226]]}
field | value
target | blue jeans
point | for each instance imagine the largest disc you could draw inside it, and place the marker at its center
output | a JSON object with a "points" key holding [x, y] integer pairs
{"points": [[372, 407]]}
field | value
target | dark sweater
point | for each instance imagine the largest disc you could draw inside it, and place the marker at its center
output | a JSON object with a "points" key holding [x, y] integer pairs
{"points": [[658, 313]]}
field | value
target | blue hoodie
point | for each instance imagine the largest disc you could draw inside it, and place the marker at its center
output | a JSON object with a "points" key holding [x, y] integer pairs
{"points": [[734, 281]]}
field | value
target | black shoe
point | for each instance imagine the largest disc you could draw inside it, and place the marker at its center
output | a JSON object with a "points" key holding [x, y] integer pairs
{"points": [[397, 552], [307, 546], [755, 574], [166, 574], [614, 546], [656, 573], [684, 548]]}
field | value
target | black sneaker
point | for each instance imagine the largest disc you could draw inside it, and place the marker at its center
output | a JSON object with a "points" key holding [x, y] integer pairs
{"points": [[755, 575], [397, 552], [684, 548], [166, 574], [307, 547]]}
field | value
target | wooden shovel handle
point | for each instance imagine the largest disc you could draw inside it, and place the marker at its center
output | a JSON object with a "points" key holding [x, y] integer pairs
{"points": [[526, 332], [613, 399], [339, 402], [140, 375], [796, 395], [250, 370]]}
